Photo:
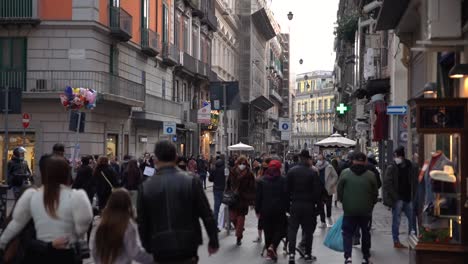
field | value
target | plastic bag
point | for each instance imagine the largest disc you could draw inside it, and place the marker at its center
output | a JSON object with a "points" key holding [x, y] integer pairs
{"points": [[221, 216], [334, 238]]}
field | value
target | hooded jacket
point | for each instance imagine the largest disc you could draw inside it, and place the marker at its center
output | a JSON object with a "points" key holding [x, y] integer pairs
{"points": [[390, 186], [330, 177], [357, 190], [217, 176]]}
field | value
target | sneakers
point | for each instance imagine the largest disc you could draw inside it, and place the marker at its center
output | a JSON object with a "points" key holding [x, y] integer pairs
{"points": [[348, 261], [330, 221], [399, 245], [323, 225], [292, 259], [366, 261], [310, 259]]}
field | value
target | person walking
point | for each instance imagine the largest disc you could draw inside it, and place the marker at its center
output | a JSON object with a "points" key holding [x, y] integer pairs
{"points": [[131, 179], [218, 179], [116, 239], [271, 206], [18, 172], [202, 168], [242, 181], [329, 180], [169, 207], [106, 180], [60, 214], [357, 191], [400, 184], [303, 185], [258, 178], [84, 178]]}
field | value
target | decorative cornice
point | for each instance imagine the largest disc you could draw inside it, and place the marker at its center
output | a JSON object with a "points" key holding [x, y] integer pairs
{"points": [[196, 21], [204, 29], [188, 12], [180, 5], [210, 35]]}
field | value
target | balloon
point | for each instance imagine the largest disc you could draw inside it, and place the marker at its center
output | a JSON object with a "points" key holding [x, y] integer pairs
{"points": [[63, 99], [69, 93], [83, 91], [91, 96]]}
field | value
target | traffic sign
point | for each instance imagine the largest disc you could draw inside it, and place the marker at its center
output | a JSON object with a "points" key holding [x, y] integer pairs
{"points": [[26, 119], [284, 124], [169, 128], [285, 135], [397, 109]]}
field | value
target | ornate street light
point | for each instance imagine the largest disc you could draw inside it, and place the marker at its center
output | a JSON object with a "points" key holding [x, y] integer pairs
{"points": [[290, 15], [301, 61]]}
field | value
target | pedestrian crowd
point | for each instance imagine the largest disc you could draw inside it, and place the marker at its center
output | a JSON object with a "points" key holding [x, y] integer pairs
{"points": [[149, 209]]}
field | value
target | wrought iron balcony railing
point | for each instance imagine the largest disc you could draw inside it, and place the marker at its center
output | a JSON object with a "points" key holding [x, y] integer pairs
{"points": [[19, 11], [150, 42], [170, 54], [42, 82], [120, 23]]}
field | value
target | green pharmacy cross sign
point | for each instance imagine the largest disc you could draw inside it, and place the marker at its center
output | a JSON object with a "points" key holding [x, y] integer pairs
{"points": [[342, 109]]}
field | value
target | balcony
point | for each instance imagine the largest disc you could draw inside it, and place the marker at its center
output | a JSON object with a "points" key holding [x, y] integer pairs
{"points": [[189, 63], [150, 42], [198, 7], [20, 12], [210, 20], [159, 109], [275, 95], [120, 23], [202, 69], [170, 54], [49, 84]]}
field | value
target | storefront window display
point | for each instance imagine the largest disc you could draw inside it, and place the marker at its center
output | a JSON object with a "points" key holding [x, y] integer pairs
{"points": [[111, 146], [16, 140]]}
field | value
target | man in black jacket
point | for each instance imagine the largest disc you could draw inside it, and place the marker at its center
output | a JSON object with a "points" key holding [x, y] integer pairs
{"points": [[169, 206], [218, 179], [304, 193]]}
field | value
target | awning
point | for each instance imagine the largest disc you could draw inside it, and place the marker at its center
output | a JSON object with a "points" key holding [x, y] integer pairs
{"points": [[390, 14], [262, 103], [377, 86], [263, 24]]}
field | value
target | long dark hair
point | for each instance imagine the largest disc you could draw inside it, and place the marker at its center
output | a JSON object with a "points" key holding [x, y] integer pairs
{"points": [[102, 163], [133, 173], [115, 219], [57, 172]]}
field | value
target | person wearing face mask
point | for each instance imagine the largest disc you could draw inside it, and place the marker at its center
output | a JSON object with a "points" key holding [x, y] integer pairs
{"points": [[400, 182], [329, 179], [18, 172], [242, 181]]}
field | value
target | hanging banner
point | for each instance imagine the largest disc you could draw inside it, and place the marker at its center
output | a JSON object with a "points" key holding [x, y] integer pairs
{"points": [[204, 115]]}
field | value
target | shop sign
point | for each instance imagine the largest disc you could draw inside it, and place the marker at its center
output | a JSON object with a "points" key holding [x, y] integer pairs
{"points": [[204, 115], [169, 128]]}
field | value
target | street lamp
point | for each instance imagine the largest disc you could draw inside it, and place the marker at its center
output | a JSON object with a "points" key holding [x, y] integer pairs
{"points": [[290, 15], [306, 77], [301, 61]]}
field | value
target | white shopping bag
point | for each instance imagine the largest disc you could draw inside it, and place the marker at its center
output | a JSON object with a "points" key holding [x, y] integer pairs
{"points": [[221, 216]]}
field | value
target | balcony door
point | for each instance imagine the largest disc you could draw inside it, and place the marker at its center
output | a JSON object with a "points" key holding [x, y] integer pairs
{"points": [[13, 62]]}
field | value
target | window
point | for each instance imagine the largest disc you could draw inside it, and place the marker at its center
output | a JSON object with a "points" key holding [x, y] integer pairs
{"points": [[165, 26], [298, 107], [305, 107], [298, 86], [319, 105], [175, 94], [177, 31], [115, 3], [186, 36], [312, 106], [185, 93], [195, 42], [144, 14], [114, 60], [163, 88], [13, 54]]}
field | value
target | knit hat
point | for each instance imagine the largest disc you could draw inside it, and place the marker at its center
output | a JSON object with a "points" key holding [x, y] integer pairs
{"points": [[275, 164]]}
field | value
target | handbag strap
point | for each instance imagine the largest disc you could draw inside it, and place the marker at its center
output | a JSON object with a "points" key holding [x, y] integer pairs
{"points": [[107, 180]]}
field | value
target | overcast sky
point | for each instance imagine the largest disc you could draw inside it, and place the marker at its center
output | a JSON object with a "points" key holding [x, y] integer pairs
{"points": [[311, 32]]}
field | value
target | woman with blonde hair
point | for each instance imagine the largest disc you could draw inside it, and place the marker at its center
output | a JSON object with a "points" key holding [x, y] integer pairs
{"points": [[116, 239], [241, 181]]}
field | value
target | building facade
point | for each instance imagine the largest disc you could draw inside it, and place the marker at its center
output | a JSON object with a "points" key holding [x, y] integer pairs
{"points": [[149, 61], [225, 62], [314, 105]]}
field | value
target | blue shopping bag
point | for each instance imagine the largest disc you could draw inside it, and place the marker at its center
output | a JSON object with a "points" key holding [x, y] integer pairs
{"points": [[334, 237]]}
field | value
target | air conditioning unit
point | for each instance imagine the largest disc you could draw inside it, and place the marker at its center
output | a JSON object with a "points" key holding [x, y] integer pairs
{"points": [[444, 19], [41, 85]]}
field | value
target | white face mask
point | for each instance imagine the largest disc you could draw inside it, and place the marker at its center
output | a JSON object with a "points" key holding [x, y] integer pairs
{"points": [[242, 167], [319, 162], [398, 160]]}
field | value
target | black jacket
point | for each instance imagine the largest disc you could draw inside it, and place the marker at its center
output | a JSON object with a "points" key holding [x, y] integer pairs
{"points": [[217, 176], [17, 171], [303, 185], [169, 206], [271, 196], [85, 180], [103, 189]]}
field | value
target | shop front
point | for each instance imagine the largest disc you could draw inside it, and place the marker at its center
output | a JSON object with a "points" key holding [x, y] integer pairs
{"points": [[17, 140]]}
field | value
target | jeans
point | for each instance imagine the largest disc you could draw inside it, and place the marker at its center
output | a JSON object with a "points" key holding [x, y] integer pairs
{"points": [[302, 215], [218, 197], [350, 224], [407, 208], [326, 204], [203, 179]]}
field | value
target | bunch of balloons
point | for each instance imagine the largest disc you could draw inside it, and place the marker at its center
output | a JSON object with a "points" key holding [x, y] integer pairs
{"points": [[78, 98]]}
